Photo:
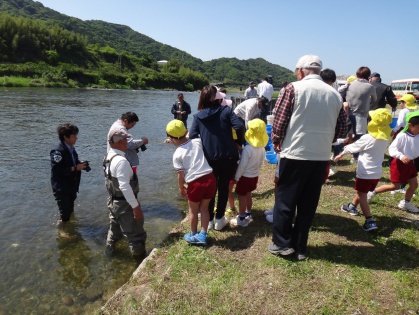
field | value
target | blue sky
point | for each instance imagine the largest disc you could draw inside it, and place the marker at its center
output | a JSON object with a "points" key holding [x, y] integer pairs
{"points": [[380, 34]]}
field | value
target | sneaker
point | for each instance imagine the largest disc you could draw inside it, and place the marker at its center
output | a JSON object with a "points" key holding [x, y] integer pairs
{"points": [[270, 211], [301, 257], [196, 238], [369, 226], [349, 208], [249, 217], [237, 222], [270, 218], [220, 223], [353, 161], [370, 195], [210, 225], [408, 206], [332, 172], [231, 212], [277, 250]]}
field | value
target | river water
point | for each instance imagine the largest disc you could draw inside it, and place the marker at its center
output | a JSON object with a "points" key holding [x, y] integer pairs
{"points": [[42, 270]]}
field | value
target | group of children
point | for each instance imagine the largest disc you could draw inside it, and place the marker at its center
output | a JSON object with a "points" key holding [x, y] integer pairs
{"points": [[197, 183]]}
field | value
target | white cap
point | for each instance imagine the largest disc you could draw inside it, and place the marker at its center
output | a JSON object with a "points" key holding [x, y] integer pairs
{"points": [[309, 62]]}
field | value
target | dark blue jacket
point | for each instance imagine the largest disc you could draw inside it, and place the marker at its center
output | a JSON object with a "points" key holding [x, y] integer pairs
{"points": [[214, 126], [63, 180]]}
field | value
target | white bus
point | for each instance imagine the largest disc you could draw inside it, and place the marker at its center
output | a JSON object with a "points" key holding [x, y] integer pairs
{"points": [[401, 87]]}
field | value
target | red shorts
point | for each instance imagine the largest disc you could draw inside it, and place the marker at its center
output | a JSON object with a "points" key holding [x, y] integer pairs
{"points": [[365, 185], [400, 172], [202, 188], [246, 184]]}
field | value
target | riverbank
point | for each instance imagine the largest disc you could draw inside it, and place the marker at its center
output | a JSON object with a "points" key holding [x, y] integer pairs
{"points": [[348, 271]]}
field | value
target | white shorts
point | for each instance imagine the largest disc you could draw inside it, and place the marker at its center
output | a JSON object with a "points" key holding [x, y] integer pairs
{"points": [[361, 125]]}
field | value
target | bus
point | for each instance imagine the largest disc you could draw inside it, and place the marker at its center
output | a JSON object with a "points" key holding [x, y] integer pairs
{"points": [[401, 87]]}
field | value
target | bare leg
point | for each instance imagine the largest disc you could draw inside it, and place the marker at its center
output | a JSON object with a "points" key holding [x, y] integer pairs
{"points": [[362, 199], [231, 195], [205, 217], [242, 204], [388, 187], [413, 185], [193, 215], [249, 202]]}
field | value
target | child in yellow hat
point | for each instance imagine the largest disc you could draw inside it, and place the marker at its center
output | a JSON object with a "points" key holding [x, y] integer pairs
{"points": [[404, 150], [371, 148], [407, 102], [247, 172], [195, 178]]}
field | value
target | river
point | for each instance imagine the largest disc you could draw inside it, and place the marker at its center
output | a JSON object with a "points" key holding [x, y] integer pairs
{"points": [[42, 270]]}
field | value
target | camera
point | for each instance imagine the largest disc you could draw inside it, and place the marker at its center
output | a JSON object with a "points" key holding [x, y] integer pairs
{"points": [[87, 169], [143, 148]]}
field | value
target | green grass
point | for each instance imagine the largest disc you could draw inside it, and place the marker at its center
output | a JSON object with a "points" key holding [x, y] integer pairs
{"points": [[348, 271]]}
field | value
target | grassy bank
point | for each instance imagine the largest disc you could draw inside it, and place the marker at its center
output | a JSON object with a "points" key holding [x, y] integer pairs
{"points": [[348, 271]]}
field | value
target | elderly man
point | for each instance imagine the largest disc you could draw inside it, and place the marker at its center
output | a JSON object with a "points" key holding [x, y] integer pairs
{"points": [[251, 92], [384, 93], [250, 109], [308, 117], [181, 110], [127, 121], [126, 216]]}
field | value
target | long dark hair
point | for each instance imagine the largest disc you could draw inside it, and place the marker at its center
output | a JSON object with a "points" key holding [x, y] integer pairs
{"points": [[207, 97]]}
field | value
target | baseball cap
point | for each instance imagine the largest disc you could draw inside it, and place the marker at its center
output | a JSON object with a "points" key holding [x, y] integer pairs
{"points": [[375, 75], [176, 129], [309, 62], [117, 135]]}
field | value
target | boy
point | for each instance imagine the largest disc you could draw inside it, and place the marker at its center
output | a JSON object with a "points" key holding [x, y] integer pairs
{"points": [[404, 149], [66, 170], [193, 170], [371, 148], [248, 170]]}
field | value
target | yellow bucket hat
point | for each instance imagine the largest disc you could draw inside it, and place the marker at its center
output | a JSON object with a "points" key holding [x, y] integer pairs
{"points": [[351, 78], [379, 126], [410, 101], [256, 134], [176, 129]]}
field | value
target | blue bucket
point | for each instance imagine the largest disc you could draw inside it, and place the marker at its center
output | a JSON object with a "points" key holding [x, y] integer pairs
{"points": [[393, 122], [271, 157]]}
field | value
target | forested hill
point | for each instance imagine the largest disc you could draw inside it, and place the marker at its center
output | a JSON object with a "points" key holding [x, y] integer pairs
{"points": [[122, 38]]}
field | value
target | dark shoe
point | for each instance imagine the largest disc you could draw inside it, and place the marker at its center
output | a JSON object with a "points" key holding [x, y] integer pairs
{"points": [[277, 250], [369, 226], [349, 208]]}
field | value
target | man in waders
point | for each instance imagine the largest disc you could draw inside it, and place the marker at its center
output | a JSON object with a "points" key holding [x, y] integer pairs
{"points": [[126, 216]]}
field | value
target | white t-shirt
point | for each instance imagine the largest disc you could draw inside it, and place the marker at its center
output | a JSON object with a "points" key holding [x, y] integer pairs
{"points": [[405, 144], [371, 155], [189, 158], [247, 110], [251, 161], [265, 89]]}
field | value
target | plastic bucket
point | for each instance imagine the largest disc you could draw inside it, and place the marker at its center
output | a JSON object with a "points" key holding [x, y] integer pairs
{"points": [[393, 122], [268, 129], [271, 157], [270, 119]]}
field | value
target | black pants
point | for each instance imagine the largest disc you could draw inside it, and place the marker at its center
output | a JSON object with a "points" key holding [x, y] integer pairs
{"points": [[298, 190], [224, 171], [65, 204]]}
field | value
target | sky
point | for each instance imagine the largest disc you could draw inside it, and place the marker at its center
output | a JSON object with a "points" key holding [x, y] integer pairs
{"points": [[379, 34]]}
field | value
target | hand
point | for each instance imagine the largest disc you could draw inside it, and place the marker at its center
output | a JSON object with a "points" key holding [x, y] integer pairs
{"points": [[277, 147], [183, 113], [138, 213], [337, 158], [145, 140], [81, 166], [346, 140], [405, 159], [183, 191]]}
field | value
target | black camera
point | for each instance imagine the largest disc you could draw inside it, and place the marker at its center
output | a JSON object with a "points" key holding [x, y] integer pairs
{"points": [[143, 148], [87, 169]]}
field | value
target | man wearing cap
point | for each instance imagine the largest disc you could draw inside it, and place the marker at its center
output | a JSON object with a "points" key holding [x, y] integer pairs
{"points": [[127, 121], [181, 110], [250, 109], [308, 118], [251, 92], [125, 214], [384, 93]]}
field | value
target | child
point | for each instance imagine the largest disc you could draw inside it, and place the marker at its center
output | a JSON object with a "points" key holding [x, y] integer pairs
{"points": [[371, 148], [408, 105], [248, 170], [404, 149], [193, 170]]}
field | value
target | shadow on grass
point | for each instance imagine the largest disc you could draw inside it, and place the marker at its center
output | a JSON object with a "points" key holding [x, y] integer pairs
{"points": [[343, 178], [370, 252]]}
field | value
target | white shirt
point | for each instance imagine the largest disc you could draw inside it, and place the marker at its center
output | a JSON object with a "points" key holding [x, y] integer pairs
{"points": [[250, 163], [247, 110], [401, 123], [405, 144], [265, 89], [371, 155], [121, 169], [250, 93], [189, 158]]}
